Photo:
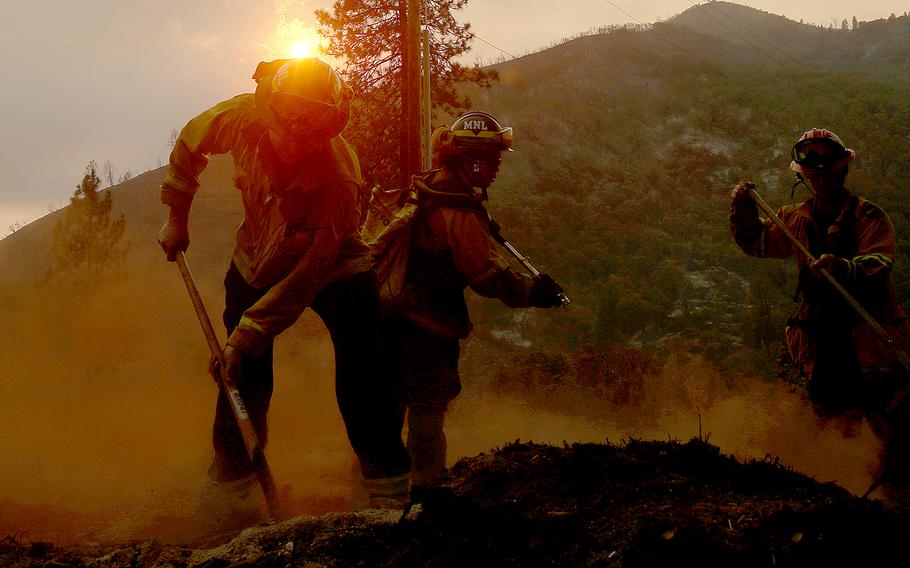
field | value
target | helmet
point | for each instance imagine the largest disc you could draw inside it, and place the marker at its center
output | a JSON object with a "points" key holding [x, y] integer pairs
{"points": [[473, 132], [819, 151], [302, 97]]}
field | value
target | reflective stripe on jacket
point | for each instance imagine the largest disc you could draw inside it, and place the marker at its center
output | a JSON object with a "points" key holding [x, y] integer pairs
{"points": [[453, 249], [860, 233], [300, 226]]}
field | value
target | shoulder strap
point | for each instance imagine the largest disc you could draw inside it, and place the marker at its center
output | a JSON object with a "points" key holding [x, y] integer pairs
{"points": [[428, 197]]}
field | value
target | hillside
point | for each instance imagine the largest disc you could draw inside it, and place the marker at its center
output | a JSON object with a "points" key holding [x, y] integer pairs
{"points": [[627, 144], [26, 254], [639, 504], [876, 49]]}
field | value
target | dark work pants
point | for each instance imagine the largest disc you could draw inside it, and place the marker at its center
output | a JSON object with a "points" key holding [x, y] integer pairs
{"points": [[426, 370], [350, 310]]}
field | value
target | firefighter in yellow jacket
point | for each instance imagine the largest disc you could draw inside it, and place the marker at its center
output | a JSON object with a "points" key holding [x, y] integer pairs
{"points": [[452, 248], [298, 247], [848, 366]]}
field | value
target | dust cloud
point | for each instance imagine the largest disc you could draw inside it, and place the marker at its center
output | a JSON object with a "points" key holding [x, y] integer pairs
{"points": [[751, 419], [107, 408]]}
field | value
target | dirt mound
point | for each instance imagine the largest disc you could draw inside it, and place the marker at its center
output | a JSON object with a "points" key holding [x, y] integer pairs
{"points": [[634, 504]]}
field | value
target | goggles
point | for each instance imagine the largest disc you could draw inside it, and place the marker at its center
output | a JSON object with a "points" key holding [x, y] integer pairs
{"points": [[818, 153], [300, 117], [486, 140]]}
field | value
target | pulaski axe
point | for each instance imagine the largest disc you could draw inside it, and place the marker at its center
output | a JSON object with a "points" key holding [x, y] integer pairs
{"points": [[524, 260], [899, 353], [251, 442]]}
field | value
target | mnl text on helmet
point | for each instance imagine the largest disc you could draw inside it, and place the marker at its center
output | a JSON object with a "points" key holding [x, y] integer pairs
{"points": [[473, 132]]}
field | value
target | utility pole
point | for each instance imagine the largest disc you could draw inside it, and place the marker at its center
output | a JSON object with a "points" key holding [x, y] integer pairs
{"points": [[410, 97], [427, 123]]}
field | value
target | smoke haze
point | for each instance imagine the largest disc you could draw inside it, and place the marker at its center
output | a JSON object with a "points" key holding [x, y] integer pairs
{"points": [[107, 407]]}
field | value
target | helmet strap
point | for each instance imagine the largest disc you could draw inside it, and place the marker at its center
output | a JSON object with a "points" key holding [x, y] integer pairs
{"points": [[800, 180], [263, 92]]}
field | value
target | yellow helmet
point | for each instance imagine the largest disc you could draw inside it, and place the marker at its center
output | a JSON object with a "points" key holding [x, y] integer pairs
{"points": [[302, 96], [473, 132]]}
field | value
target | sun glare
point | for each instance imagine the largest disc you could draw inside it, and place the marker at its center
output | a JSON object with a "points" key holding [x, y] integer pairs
{"points": [[303, 49], [295, 39]]}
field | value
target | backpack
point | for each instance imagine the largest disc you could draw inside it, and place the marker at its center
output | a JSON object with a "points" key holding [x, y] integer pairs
{"points": [[387, 231]]}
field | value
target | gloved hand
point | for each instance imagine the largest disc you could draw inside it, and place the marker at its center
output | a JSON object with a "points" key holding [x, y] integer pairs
{"points": [[545, 292], [232, 364], [742, 201], [174, 236], [215, 369], [836, 265]]}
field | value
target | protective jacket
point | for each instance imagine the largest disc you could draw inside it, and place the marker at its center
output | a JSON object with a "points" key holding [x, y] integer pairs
{"points": [[300, 226], [452, 248], [862, 234]]}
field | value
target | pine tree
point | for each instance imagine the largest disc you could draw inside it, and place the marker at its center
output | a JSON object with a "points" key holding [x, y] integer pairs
{"points": [[87, 240], [369, 36]]}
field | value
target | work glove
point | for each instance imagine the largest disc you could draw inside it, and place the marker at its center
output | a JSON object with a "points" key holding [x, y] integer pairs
{"points": [[545, 292], [836, 265], [743, 204], [215, 369], [232, 365], [174, 236]]}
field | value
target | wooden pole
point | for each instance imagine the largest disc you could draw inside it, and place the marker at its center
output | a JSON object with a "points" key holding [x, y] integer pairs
{"points": [[411, 95], [427, 125]]}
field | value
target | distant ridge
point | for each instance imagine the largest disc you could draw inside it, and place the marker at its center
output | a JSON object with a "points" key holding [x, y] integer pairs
{"points": [[879, 48], [26, 254]]}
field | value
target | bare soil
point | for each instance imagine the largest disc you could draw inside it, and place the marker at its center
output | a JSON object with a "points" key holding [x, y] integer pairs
{"points": [[640, 503]]}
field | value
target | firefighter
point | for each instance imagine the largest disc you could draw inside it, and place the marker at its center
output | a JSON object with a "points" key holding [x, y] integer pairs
{"points": [[849, 368], [452, 248], [298, 247]]}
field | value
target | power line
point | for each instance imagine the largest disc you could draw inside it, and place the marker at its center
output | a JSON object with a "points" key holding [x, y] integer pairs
{"points": [[701, 7], [779, 50], [802, 64]]}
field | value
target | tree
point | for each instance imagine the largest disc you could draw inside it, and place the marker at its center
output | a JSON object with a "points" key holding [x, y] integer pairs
{"points": [[369, 36], [108, 172], [844, 26], [854, 22], [13, 227], [87, 240], [172, 138]]}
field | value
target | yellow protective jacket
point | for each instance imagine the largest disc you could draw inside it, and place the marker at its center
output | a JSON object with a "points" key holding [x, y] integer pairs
{"points": [[862, 234], [300, 226], [452, 248]]}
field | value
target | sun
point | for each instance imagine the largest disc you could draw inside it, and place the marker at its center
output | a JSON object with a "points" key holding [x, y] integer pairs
{"points": [[295, 39], [304, 48]]}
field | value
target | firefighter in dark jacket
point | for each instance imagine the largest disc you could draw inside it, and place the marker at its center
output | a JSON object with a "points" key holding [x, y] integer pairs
{"points": [[452, 248], [848, 366], [298, 246]]}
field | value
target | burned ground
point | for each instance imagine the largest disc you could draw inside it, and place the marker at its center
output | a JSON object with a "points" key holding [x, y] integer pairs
{"points": [[640, 503]]}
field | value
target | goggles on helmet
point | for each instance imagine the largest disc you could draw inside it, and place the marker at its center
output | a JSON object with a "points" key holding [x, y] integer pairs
{"points": [[818, 152], [302, 117], [485, 140]]}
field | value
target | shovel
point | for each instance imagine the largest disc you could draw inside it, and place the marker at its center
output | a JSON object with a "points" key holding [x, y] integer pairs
{"points": [[250, 440]]}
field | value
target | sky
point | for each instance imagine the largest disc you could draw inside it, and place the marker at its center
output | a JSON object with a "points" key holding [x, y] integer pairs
{"points": [[109, 80]]}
